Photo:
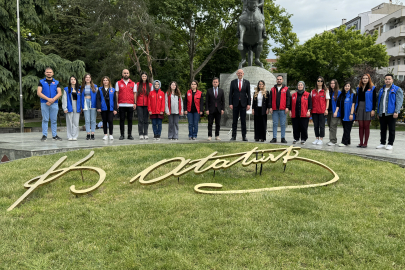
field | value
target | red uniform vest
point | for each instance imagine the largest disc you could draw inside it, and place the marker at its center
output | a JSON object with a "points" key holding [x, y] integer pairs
{"points": [[169, 103], [126, 92], [142, 99], [283, 98], [304, 104], [197, 98], [156, 102], [318, 101]]}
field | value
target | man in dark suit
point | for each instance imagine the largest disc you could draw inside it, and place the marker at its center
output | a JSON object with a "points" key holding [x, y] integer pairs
{"points": [[239, 102], [215, 106]]}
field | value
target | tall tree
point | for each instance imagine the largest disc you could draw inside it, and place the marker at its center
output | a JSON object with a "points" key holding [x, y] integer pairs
{"points": [[332, 55], [34, 61]]}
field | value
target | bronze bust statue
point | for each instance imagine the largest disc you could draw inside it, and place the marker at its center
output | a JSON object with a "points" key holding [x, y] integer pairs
{"points": [[251, 32]]}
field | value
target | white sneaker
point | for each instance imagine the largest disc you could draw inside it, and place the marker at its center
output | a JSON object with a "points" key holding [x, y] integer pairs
{"points": [[389, 147], [70, 139], [341, 145], [111, 137], [217, 138], [146, 137], [209, 138], [158, 139], [316, 141], [331, 143], [141, 137], [105, 137], [320, 142], [74, 139], [302, 142], [381, 146]]}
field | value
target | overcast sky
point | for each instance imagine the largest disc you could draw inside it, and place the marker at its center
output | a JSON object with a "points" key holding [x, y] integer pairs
{"points": [[312, 17]]}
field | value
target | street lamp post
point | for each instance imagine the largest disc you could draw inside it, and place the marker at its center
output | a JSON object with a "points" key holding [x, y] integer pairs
{"points": [[19, 68]]}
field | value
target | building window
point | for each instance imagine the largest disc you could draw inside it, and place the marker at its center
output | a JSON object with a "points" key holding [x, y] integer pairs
{"points": [[399, 62], [399, 42], [393, 63], [394, 44], [401, 77]]}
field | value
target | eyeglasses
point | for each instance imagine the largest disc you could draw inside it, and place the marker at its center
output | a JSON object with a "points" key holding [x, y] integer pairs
{"points": [[320, 81]]}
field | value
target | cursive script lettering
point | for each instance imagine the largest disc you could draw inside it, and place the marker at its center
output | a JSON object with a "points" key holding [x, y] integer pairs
{"points": [[35, 182]]}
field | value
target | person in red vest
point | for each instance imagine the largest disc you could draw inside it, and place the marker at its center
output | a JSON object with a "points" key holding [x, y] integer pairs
{"points": [[126, 96], [193, 108], [301, 105], [279, 103], [173, 108], [320, 103], [156, 108], [142, 89]]}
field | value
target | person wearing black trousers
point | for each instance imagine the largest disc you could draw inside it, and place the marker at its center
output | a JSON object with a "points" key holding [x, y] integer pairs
{"points": [[239, 103], [345, 104], [107, 105], [260, 111], [301, 106], [214, 106]]}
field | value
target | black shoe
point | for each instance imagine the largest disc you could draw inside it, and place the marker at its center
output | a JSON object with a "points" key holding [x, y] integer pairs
{"points": [[92, 137], [233, 139], [283, 140], [121, 137], [244, 139], [56, 138], [44, 138], [88, 137], [130, 137], [256, 140], [274, 140]]}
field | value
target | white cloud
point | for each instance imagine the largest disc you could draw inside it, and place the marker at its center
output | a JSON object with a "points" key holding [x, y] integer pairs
{"points": [[312, 17]]}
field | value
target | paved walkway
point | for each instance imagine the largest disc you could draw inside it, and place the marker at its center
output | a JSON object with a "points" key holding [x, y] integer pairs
{"points": [[16, 146]]}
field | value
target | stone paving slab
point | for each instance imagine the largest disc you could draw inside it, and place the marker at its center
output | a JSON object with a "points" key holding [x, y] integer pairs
{"points": [[17, 146]]}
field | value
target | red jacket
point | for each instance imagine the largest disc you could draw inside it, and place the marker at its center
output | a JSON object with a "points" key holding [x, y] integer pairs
{"points": [[142, 99], [156, 102], [283, 98], [197, 99], [126, 92], [304, 104], [318, 101], [169, 103]]}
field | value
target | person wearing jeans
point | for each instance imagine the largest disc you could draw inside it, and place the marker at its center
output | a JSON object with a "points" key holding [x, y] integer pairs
{"points": [[143, 88], [193, 108], [49, 93], [333, 122], [156, 108], [71, 105], [390, 99], [173, 108], [279, 104]]}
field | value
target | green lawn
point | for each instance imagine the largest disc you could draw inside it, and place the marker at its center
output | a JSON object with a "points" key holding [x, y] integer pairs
{"points": [[357, 223]]}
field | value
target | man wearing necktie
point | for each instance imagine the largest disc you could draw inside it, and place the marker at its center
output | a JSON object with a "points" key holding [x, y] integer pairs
{"points": [[215, 106], [239, 102]]}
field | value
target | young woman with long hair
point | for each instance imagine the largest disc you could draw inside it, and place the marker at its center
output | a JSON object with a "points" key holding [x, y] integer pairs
{"points": [[193, 108], [301, 106], [345, 105], [260, 111], [107, 106], [156, 108], [143, 88], [89, 102], [71, 105], [365, 105], [333, 122], [320, 103], [173, 108]]}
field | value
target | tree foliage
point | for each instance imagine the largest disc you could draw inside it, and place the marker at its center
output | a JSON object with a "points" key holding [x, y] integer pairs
{"points": [[332, 55]]}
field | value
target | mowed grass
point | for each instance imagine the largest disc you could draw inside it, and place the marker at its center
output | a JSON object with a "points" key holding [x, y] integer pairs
{"points": [[357, 223]]}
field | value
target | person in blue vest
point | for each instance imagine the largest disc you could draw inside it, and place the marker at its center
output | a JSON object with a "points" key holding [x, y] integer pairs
{"points": [[89, 103], [333, 122], [365, 106], [345, 105], [49, 93], [107, 105], [71, 106], [390, 99]]}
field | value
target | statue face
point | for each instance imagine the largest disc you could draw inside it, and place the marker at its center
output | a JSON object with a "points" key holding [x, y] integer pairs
{"points": [[252, 5]]}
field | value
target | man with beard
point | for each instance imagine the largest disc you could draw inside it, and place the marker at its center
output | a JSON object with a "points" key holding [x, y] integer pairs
{"points": [[126, 96]]}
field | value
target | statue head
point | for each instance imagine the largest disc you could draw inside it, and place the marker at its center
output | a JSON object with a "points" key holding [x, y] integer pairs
{"points": [[252, 5]]}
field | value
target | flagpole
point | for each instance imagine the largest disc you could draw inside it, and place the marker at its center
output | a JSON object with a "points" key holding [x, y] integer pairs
{"points": [[19, 68]]}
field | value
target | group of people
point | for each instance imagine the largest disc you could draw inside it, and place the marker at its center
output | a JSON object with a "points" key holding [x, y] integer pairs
{"points": [[322, 104], [145, 97]]}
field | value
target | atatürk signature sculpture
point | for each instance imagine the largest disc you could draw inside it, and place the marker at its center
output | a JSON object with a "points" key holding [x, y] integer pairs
{"points": [[251, 32]]}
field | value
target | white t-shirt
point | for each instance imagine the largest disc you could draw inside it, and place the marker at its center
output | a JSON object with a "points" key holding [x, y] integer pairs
{"points": [[259, 99], [136, 88], [117, 88], [326, 93], [385, 98]]}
